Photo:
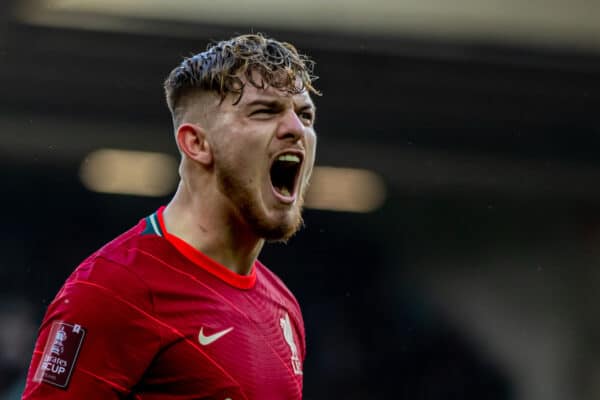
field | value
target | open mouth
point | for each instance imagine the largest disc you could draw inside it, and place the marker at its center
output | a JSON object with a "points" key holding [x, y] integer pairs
{"points": [[284, 174]]}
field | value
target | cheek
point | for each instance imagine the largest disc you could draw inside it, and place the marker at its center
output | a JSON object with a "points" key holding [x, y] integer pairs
{"points": [[230, 147]]}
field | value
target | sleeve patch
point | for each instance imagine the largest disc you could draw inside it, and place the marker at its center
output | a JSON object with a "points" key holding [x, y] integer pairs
{"points": [[60, 354]]}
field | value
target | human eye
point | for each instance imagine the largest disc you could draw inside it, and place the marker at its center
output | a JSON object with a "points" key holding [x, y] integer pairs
{"points": [[263, 112], [307, 116]]}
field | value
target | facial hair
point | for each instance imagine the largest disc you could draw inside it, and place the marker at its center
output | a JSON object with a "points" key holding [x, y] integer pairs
{"points": [[245, 199]]}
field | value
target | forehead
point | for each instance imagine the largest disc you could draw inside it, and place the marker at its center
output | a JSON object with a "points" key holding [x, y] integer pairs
{"points": [[252, 93]]}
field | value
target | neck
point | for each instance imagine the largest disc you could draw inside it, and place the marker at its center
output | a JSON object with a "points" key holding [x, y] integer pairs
{"points": [[204, 223]]}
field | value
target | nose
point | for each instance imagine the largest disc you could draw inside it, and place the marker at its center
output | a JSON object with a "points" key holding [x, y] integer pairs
{"points": [[290, 127]]}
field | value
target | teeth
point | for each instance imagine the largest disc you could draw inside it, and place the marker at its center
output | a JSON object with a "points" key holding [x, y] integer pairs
{"points": [[289, 157], [285, 192]]}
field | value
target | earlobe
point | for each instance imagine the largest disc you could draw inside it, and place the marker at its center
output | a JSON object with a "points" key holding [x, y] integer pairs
{"points": [[191, 140]]}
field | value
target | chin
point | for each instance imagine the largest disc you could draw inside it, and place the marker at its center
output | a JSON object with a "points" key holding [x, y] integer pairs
{"points": [[284, 232], [267, 221], [278, 229]]}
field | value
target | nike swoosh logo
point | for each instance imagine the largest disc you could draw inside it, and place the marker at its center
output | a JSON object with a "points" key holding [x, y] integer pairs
{"points": [[206, 340]]}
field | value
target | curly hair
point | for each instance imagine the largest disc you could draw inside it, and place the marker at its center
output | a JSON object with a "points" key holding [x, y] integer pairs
{"points": [[220, 68]]}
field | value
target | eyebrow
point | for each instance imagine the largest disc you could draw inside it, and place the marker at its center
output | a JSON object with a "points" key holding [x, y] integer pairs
{"points": [[264, 102], [278, 104], [308, 106]]}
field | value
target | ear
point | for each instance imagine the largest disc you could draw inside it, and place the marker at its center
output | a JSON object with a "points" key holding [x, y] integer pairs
{"points": [[191, 140]]}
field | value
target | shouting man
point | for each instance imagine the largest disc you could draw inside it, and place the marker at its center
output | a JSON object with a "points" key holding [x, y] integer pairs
{"points": [[179, 307]]}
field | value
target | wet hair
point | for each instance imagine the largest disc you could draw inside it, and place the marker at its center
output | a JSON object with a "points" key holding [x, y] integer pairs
{"points": [[219, 69]]}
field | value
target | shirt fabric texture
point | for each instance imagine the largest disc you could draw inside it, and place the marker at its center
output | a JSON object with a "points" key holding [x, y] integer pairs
{"points": [[161, 320]]}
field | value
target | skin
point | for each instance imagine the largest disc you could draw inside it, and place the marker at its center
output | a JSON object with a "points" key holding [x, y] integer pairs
{"points": [[225, 205]]}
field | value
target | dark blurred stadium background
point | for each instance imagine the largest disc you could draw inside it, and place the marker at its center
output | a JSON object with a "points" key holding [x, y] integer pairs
{"points": [[451, 243]]}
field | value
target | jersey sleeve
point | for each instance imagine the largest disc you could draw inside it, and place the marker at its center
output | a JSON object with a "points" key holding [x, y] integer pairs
{"points": [[97, 337]]}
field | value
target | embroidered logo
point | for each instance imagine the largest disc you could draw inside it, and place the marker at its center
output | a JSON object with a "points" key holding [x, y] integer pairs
{"points": [[288, 334], [60, 354], [206, 340]]}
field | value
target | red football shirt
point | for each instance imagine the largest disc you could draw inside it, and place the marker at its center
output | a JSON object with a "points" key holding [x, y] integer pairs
{"points": [[149, 317]]}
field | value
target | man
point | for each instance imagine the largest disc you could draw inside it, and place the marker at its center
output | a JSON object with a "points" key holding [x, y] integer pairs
{"points": [[179, 306]]}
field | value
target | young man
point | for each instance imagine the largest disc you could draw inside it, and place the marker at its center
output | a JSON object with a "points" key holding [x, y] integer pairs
{"points": [[179, 306]]}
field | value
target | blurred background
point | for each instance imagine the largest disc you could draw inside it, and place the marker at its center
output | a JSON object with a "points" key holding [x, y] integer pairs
{"points": [[451, 240]]}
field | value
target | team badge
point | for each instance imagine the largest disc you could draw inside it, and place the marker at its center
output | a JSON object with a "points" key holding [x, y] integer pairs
{"points": [[288, 334], [60, 354]]}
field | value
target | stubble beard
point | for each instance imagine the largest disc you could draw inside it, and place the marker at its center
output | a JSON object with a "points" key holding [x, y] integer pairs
{"points": [[234, 188]]}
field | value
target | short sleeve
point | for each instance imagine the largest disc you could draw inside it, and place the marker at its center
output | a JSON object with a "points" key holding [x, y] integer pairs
{"points": [[97, 338]]}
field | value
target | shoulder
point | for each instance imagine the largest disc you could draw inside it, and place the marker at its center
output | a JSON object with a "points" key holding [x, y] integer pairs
{"points": [[279, 291], [131, 255], [102, 323], [106, 295], [273, 283], [116, 270]]}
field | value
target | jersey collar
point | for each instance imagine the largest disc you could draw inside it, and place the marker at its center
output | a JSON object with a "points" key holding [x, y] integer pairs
{"points": [[202, 260]]}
